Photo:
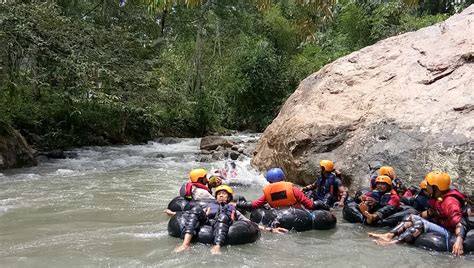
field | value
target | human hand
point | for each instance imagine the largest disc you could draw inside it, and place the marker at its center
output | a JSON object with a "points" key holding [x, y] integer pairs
{"points": [[458, 249]]}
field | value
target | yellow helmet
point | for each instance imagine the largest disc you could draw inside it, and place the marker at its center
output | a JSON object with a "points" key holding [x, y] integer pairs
{"points": [[224, 188], [387, 171], [384, 179], [196, 174], [439, 179], [423, 184], [328, 165]]}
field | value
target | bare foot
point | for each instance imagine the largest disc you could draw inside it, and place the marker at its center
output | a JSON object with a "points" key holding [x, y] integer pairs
{"points": [[216, 250], [385, 243], [363, 208], [280, 230], [385, 237], [169, 212], [181, 248], [370, 217]]}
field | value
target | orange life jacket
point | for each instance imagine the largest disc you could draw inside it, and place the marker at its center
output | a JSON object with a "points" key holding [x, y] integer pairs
{"points": [[280, 194]]}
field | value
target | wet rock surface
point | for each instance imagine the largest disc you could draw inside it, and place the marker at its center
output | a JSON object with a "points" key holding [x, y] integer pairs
{"points": [[14, 151]]}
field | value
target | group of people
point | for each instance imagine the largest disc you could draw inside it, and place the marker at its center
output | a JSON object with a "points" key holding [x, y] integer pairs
{"points": [[220, 212], [442, 214], [440, 206], [442, 209]]}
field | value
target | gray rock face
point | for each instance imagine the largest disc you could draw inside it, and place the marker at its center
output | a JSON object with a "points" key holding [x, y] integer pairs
{"points": [[14, 151], [407, 101]]}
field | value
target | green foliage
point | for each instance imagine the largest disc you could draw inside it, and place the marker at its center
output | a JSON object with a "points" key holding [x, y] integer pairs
{"points": [[88, 72], [386, 20], [280, 30], [262, 89], [412, 23], [355, 25], [310, 58]]}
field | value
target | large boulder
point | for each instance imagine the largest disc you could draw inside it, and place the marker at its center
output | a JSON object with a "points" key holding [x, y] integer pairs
{"points": [[210, 143], [14, 151], [406, 101]]}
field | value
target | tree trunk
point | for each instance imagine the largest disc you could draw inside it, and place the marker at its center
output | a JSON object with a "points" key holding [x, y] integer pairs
{"points": [[196, 82], [163, 19]]}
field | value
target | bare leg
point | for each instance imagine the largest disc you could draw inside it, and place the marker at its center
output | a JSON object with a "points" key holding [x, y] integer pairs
{"points": [[386, 243], [216, 250], [399, 229], [384, 237], [185, 244]]}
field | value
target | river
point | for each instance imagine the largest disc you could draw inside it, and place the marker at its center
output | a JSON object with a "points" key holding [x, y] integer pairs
{"points": [[104, 209]]}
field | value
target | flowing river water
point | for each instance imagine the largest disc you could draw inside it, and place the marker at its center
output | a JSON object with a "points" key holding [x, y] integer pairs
{"points": [[104, 209]]}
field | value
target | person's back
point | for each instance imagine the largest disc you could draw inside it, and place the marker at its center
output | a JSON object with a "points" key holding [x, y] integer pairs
{"points": [[279, 194], [328, 184]]}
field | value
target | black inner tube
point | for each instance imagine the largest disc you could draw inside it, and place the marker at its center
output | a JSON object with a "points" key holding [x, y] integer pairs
{"points": [[294, 218], [240, 232]]}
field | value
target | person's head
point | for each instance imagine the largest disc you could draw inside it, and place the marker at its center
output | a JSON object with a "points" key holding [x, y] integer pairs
{"points": [[383, 183], [437, 183], [224, 194], [387, 171], [398, 186], [198, 175], [275, 175], [326, 166]]}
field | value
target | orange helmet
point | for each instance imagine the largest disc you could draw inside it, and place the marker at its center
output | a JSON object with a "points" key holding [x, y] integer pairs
{"points": [[387, 171], [328, 165], [384, 179], [423, 184], [197, 174], [439, 179]]}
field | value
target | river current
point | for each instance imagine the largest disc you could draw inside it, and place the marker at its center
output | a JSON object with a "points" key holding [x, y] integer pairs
{"points": [[104, 209]]}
